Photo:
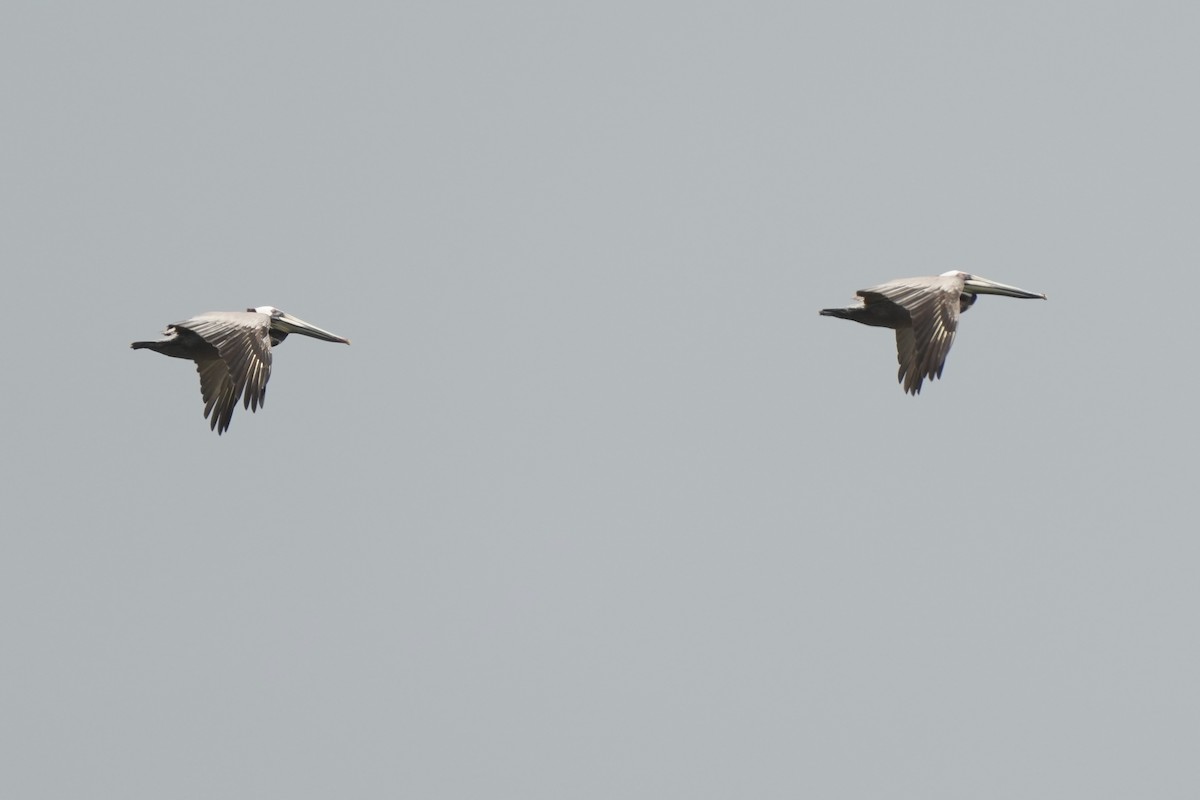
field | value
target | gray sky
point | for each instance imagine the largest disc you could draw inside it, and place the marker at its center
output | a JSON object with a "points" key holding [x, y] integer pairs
{"points": [[596, 506]]}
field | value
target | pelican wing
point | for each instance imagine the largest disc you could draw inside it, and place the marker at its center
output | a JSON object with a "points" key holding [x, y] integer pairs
{"points": [[906, 354], [216, 387], [243, 342], [933, 307]]}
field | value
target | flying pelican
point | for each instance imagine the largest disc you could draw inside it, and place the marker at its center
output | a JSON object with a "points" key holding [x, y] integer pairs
{"points": [[924, 312], [232, 351]]}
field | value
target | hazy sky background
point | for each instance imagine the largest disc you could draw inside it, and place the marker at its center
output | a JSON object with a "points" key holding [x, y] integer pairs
{"points": [[596, 505]]}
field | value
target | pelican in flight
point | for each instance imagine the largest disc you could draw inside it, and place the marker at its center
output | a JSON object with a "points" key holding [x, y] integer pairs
{"points": [[924, 313], [232, 351]]}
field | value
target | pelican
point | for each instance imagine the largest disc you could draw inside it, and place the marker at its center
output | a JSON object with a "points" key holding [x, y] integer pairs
{"points": [[924, 313], [232, 351]]}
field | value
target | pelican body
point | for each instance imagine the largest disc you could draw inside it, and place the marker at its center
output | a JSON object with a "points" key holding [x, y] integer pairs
{"points": [[232, 351], [924, 313]]}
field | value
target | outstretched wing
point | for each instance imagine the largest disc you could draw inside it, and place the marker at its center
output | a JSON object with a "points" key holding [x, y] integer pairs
{"points": [[216, 387], [241, 364], [933, 306]]}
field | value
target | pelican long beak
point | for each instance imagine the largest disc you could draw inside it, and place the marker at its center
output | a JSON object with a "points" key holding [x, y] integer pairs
{"points": [[289, 324], [978, 285]]}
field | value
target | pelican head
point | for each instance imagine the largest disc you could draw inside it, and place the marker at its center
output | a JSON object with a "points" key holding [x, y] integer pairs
{"points": [[283, 323], [973, 284]]}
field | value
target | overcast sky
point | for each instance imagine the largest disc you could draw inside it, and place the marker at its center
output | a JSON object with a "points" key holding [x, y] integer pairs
{"points": [[596, 505]]}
